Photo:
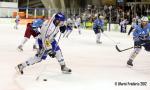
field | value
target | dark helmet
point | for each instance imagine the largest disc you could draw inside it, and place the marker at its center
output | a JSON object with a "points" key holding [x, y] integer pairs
{"points": [[60, 17]]}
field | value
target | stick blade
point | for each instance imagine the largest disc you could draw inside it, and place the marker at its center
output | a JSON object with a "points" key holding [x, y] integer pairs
{"points": [[118, 49]]}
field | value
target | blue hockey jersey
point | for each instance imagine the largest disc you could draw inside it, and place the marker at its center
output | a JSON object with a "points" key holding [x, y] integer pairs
{"points": [[98, 23], [142, 33]]}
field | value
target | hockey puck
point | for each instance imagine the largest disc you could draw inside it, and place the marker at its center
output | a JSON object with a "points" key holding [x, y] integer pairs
{"points": [[44, 79]]}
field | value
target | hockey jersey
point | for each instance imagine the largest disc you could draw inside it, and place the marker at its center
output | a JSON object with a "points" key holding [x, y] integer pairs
{"points": [[48, 33], [142, 33], [98, 23]]}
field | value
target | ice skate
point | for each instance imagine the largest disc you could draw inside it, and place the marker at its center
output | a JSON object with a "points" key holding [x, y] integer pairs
{"points": [[65, 69], [35, 47], [67, 36], [20, 48], [19, 68], [79, 32], [129, 63], [98, 42], [14, 27]]}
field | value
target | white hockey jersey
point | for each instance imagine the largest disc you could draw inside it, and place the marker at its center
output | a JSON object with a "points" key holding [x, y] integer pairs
{"points": [[48, 33]]}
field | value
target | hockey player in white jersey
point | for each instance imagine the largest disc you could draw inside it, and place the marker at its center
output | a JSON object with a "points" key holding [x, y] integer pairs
{"points": [[77, 22], [48, 45], [135, 21], [69, 25], [17, 22], [123, 26]]}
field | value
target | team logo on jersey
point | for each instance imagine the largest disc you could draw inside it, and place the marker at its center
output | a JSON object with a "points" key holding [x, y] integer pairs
{"points": [[143, 32], [47, 43]]}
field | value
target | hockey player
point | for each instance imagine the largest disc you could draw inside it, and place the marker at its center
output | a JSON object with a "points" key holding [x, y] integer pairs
{"points": [[48, 45], [69, 25], [98, 28], [123, 25], [17, 19], [135, 21], [141, 36], [32, 29], [77, 22]]}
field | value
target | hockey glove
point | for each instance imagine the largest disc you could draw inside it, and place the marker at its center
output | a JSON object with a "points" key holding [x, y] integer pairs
{"points": [[100, 28], [52, 54], [35, 29], [62, 29], [138, 44], [143, 37], [147, 47]]}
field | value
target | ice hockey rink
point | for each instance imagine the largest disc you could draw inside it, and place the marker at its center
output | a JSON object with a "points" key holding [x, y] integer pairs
{"points": [[94, 66]]}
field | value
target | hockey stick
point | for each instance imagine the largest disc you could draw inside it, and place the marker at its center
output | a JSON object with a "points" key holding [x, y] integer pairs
{"points": [[111, 39], [44, 27], [37, 78], [128, 48], [116, 44], [123, 49]]}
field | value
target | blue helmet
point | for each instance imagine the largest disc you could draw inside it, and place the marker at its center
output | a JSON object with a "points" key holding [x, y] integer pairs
{"points": [[60, 16], [37, 23]]}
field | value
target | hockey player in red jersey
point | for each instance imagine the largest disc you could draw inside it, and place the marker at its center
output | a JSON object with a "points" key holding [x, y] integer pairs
{"points": [[32, 29]]}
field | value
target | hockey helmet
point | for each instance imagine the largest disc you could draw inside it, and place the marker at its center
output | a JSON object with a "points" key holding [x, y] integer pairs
{"points": [[59, 16], [37, 23], [145, 19], [101, 17]]}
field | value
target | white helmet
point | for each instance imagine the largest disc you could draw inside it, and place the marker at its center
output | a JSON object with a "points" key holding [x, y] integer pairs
{"points": [[144, 19], [101, 17]]}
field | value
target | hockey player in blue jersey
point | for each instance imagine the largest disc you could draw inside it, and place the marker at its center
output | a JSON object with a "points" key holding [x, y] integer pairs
{"points": [[98, 28], [141, 36], [47, 44]]}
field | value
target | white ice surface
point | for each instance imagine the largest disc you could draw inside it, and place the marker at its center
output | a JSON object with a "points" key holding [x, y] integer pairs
{"points": [[95, 67]]}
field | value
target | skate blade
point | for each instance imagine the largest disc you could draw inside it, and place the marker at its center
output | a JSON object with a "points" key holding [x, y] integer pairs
{"points": [[16, 68], [99, 42], [65, 72], [129, 66], [20, 50], [18, 71], [35, 49], [37, 78]]}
